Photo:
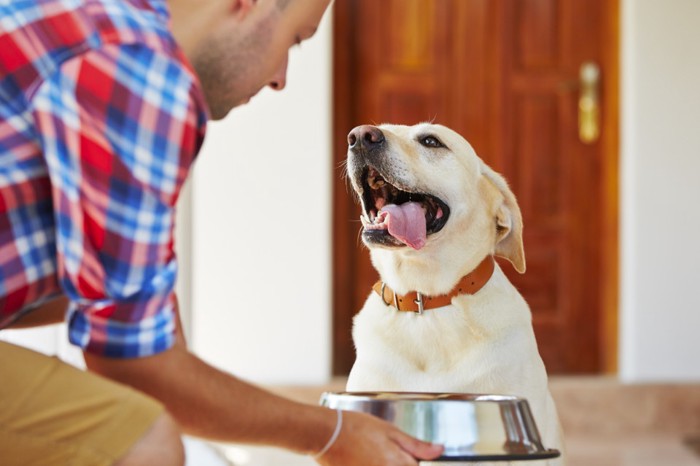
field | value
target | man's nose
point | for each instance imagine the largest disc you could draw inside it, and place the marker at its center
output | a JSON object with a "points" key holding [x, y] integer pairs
{"points": [[279, 79]]}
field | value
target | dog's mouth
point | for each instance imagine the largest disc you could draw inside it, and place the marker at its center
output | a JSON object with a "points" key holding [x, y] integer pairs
{"points": [[396, 217]]}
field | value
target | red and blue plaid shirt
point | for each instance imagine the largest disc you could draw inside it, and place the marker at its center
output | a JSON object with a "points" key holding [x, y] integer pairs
{"points": [[100, 119]]}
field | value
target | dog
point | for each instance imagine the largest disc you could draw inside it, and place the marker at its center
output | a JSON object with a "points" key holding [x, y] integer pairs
{"points": [[434, 216]]}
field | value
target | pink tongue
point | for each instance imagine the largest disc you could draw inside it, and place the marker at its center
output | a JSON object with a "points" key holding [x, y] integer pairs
{"points": [[406, 222]]}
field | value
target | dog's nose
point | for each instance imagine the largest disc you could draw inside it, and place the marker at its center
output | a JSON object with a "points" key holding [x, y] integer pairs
{"points": [[365, 137]]}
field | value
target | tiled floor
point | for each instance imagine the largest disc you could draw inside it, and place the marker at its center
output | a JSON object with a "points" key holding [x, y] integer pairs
{"points": [[637, 450], [606, 424], [258, 456], [657, 450]]}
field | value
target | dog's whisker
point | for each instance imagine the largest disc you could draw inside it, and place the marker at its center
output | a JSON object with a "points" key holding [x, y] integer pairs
{"points": [[343, 167], [359, 237]]}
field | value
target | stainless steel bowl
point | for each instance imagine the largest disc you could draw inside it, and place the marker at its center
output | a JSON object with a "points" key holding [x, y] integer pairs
{"points": [[471, 427]]}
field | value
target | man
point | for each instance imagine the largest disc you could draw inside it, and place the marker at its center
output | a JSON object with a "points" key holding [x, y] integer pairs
{"points": [[101, 115]]}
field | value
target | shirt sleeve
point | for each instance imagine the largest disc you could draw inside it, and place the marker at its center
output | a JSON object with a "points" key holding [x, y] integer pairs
{"points": [[119, 128]]}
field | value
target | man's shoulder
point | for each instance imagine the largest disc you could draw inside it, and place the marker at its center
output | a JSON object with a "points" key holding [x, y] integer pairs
{"points": [[142, 22], [37, 37]]}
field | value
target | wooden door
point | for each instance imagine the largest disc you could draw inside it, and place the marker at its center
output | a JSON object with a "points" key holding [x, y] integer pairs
{"points": [[505, 74]]}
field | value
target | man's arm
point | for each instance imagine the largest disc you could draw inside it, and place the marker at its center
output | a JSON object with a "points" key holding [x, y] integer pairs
{"points": [[212, 404], [209, 403]]}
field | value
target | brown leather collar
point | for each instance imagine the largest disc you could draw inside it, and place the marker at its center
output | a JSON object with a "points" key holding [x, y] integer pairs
{"points": [[415, 301]]}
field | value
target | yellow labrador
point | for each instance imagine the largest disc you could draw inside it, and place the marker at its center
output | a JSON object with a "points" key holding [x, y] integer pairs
{"points": [[434, 215]]}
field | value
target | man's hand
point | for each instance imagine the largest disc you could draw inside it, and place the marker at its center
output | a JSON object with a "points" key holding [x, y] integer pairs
{"points": [[369, 441]]}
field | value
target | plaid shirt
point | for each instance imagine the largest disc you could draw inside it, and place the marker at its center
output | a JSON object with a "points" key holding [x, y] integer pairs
{"points": [[100, 119]]}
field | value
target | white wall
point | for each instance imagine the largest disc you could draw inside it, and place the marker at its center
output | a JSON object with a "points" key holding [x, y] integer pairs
{"points": [[262, 228], [660, 322]]}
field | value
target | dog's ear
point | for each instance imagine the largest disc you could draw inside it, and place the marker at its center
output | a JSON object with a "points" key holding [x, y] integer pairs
{"points": [[508, 223]]}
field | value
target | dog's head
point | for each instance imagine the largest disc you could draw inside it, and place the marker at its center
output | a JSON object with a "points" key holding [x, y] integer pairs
{"points": [[428, 198]]}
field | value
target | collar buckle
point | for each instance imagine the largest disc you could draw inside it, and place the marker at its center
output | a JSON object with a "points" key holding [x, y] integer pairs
{"points": [[419, 302]]}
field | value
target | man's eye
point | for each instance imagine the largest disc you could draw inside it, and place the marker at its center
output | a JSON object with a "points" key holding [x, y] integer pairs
{"points": [[431, 141]]}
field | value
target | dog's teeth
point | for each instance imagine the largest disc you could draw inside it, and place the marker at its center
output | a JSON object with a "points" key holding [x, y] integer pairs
{"points": [[376, 183], [367, 219]]}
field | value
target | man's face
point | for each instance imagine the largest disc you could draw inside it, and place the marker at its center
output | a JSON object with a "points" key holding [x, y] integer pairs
{"points": [[242, 56]]}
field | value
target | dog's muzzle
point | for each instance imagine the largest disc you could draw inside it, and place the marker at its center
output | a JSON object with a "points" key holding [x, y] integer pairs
{"points": [[395, 215]]}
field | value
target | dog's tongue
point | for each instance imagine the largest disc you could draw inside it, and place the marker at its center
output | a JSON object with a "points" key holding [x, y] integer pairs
{"points": [[406, 222]]}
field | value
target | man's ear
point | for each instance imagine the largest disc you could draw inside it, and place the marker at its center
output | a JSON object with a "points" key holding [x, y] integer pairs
{"points": [[508, 223]]}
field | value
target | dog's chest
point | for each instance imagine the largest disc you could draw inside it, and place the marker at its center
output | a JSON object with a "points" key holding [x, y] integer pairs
{"points": [[444, 350]]}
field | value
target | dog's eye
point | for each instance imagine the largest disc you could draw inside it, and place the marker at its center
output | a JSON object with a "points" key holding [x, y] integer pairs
{"points": [[431, 141]]}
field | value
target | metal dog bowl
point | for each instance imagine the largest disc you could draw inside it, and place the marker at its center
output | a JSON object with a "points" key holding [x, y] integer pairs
{"points": [[471, 427]]}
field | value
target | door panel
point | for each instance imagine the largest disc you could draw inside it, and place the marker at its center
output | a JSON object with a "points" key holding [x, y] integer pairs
{"points": [[504, 74]]}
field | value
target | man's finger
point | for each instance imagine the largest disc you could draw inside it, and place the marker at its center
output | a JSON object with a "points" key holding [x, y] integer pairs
{"points": [[417, 448]]}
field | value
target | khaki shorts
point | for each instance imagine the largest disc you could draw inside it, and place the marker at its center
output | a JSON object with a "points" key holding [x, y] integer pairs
{"points": [[54, 414]]}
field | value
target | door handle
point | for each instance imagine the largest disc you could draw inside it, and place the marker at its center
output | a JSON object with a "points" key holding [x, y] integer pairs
{"points": [[589, 103]]}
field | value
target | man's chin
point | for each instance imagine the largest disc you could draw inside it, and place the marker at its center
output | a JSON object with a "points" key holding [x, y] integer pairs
{"points": [[219, 112]]}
